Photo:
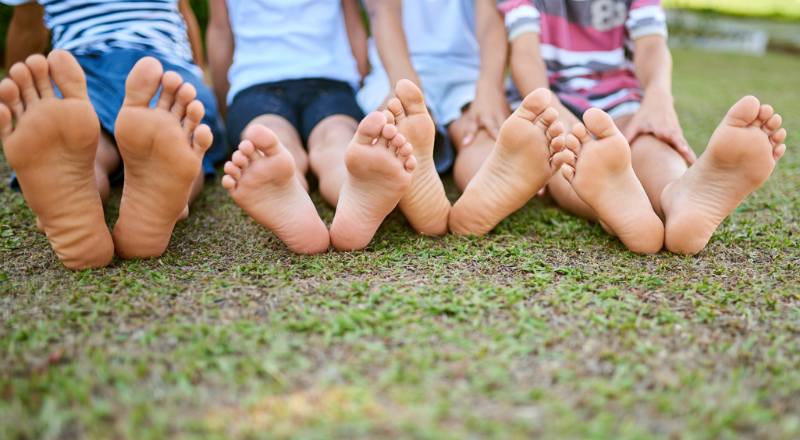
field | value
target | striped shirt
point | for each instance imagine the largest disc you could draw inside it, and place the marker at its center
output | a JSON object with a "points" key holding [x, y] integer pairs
{"points": [[588, 45], [97, 26]]}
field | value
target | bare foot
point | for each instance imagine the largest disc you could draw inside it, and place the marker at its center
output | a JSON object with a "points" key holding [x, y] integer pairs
{"points": [[523, 160], [52, 149], [425, 205], [261, 179], [378, 174], [739, 158], [603, 178], [162, 149]]}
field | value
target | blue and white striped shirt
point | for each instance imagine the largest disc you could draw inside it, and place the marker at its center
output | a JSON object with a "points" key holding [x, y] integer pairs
{"points": [[98, 26]]}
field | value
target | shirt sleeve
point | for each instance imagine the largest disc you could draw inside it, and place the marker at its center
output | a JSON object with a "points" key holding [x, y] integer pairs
{"points": [[16, 2], [646, 17], [521, 17]]}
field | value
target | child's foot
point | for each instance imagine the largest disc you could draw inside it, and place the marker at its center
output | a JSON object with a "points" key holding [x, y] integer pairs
{"points": [[378, 174], [162, 149], [739, 158], [600, 172], [425, 205], [261, 179], [52, 149], [523, 160]]}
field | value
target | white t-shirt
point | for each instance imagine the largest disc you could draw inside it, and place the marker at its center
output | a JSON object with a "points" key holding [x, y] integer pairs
{"points": [[279, 40]]}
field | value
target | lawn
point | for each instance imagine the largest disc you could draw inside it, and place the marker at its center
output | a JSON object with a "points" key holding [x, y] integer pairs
{"points": [[789, 9], [546, 328]]}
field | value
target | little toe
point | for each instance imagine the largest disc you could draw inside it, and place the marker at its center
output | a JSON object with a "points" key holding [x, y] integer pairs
{"points": [[411, 163], [778, 137], [232, 170], [228, 182], [772, 124], [410, 97], [194, 114], [396, 109], [37, 64], [67, 74], [202, 139], [568, 172], [370, 128], [778, 151], [143, 82], [598, 123], [170, 83], [184, 97], [21, 75], [10, 95], [6, 123], [555, 131]]}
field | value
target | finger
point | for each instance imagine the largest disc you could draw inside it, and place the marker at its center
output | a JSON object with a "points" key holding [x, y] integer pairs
{"points": [[472, 130], [632, 131]]}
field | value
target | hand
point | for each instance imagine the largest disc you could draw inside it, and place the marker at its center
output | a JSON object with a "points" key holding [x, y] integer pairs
{"points": [[488, 111], [657, 117]]}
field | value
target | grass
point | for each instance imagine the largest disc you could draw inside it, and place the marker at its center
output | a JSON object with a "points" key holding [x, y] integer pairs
{"points": [[546, 328], [788, 9]]}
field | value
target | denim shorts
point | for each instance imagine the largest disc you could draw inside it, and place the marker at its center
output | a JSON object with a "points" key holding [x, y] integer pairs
{"points": [[302, 102], [105, 81]]}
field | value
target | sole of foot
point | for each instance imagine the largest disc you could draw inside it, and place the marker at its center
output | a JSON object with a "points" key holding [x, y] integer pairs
{"points": [[52, 149], [739, 158], [525, 157], [162, 149], [261, 179], [380, 165], [425, 205], [600, 172]]}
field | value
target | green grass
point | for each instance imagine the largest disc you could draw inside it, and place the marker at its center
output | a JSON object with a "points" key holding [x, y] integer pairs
{"points": [[546, 328], [789, 9]]}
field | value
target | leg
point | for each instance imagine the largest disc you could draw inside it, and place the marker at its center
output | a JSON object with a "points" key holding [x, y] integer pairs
{"points": [[379, 169], [524, 158], [53, 149], [105, 163], [162, 148], [261, 178], [425, 204], [600, 172], [326, 152], [739, 158], [470, 158], [290, 140]]}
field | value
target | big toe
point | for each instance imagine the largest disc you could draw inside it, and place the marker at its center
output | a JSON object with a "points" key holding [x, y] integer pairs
{"points": [[599, 123], [143, 82], [535, 103], [411, 97], [743, 113], [67, 74], [263, 139], [370, 128]]}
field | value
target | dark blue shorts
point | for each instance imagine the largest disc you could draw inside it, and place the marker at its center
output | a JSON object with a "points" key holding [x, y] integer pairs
{"points": [[302, 102], [105, 80]]}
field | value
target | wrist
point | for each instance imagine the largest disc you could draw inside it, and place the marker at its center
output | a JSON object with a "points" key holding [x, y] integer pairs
{"points": [[659, 94]]}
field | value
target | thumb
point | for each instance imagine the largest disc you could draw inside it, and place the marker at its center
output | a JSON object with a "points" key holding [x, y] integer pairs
{"points": [[472, 130]]}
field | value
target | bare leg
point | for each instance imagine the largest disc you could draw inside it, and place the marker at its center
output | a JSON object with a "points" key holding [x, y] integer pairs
{"points": [[327, 145], [53, 149], [470, 158], [521, 162], [163, 149], [290, 140]]}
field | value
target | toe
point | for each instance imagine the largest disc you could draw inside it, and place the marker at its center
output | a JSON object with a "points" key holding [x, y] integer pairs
{"points": [[263, 139], [778, 137], [534, 104], [772, 124], [232, 170], [558, 160], [568, 172], [598, 123], [778, 151], [396, 108], [184, 98], [764, 112], [557, 145], [6, 124], [202, 139], [67, 74], [555, 131], [411, 163], [170, 83], [397, 143], [9, 94], [22, 76], [228, 183], [568, 157], [37, 64], [241, 159], [743, 113], [546, 120], [143, 82], [249, 150], [389, 116], [370, 128], [578, 137], [410, 97], [388, 132], [194, 114]]}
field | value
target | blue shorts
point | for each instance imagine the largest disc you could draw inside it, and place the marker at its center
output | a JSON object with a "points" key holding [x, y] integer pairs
{"points": [[302, 102], [105, 81]]}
